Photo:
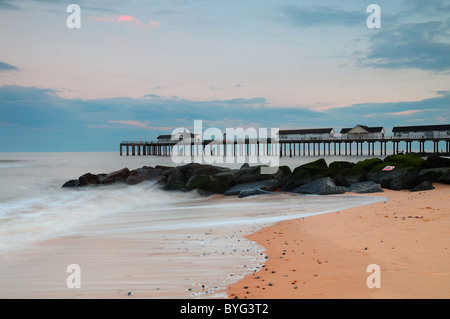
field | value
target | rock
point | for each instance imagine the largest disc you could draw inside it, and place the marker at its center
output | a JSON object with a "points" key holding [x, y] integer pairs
{"points": [[339, 165], [117, 176], [300, 177], [315, 186], [138, 175], [206, 183], [316, 169], [436, 162], [162, 167], [251, 174], [433, 174], [332, 190], [245, 165], [368, 164], [267, 185], [228, 177], [253, 192], [445, 177], [88, 179], [406, 180], [397, 179], [156, 174], [349, 176], [205, 170], [426, 185], [72, 183], [174, 179], [365, 187], [405, 160]]}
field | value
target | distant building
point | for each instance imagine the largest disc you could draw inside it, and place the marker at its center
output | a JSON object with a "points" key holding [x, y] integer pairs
{"points": [[362, 131], [423, 131], [307, 134]]}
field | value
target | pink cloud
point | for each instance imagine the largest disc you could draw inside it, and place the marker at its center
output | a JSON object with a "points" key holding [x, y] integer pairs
{"points": [[410, 112], [134, 123], [128, 19], [144, 125]]}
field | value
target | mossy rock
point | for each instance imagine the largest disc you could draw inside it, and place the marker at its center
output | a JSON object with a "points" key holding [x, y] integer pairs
{"points": [[379, 167], [368, 164], [405, 160], [285, 170], [318, 168], [339, 165]]}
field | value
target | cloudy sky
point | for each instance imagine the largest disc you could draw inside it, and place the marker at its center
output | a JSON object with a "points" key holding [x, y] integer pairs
{"points": [[136, 69]]}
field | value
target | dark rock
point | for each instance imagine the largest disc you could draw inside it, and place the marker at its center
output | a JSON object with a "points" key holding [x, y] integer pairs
{"points": [[174, 179], [102, 177], [445, 177], [332, 190], [315, 186], [228, 177], [72, 183], [138, 175], [365, 187], [267, 185], [253, 192], [294, 180], [424, 186], [206, 183], [204, 170], [349, 176], [245, 165], [162, 167], [156, 174], [397, 179], [436, 162], [117, 176], [251, 174], [88, 179], [433, 174], [184, 169]]}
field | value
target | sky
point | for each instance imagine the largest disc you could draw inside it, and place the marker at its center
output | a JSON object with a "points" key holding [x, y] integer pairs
{"points": [[137, 69]]}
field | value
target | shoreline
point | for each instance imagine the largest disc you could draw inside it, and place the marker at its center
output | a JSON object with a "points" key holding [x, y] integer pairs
{"points": [[326, 256]]}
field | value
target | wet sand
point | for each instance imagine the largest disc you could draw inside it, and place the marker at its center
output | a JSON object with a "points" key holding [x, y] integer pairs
{"points": [[192, 248], [326, 256]]}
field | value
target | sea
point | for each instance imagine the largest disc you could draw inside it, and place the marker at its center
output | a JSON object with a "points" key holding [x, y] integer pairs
{"points": [[132, 241]]}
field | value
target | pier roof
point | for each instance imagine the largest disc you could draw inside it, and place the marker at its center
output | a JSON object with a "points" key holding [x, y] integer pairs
{"points": [[376, 129], [421, 128]]}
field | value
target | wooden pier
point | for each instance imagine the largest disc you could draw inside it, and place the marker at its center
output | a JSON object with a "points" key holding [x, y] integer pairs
{"points": [[339, 146]]}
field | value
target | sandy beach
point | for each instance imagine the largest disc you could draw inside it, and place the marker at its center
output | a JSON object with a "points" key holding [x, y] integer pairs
{"points": [[326, 256]]}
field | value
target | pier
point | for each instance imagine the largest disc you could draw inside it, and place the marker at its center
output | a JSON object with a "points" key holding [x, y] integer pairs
{"points": [[357, 141], [292, 147]]}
